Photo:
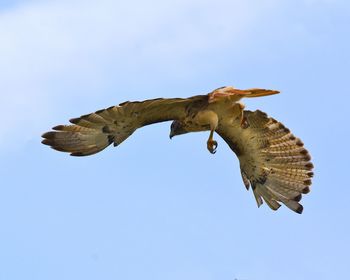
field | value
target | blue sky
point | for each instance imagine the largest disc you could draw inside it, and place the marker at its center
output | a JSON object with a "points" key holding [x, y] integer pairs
{"points": [[154, 208]]}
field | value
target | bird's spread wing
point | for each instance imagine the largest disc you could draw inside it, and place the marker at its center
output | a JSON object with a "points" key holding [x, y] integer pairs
{"points": [[93, 132], [272, 160]]}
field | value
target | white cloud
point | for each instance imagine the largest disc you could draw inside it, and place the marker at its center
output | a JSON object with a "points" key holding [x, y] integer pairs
{"points": [[56, 50]]}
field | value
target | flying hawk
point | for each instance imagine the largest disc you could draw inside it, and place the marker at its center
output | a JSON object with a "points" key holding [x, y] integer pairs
{"points": [[273, 161]]}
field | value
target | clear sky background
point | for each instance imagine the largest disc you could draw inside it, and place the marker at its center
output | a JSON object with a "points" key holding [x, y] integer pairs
{"points": [[154, 208]]}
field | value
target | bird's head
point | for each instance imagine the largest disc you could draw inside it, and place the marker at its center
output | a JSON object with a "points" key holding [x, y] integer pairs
{"points": [[177, 128]]}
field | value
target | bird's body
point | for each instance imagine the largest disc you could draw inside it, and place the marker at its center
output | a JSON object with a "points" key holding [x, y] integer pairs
{"points": [[272, 160]]}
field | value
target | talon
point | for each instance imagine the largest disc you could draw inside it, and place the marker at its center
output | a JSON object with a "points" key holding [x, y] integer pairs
{"points": [[212, 146], [244, 122]]}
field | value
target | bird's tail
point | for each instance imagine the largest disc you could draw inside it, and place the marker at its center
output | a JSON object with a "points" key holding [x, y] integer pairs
{"points": [[257, 92], [236, 94]]}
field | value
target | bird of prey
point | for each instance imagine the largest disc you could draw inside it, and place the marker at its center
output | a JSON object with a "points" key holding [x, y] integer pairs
{"points": [[272, 160]]}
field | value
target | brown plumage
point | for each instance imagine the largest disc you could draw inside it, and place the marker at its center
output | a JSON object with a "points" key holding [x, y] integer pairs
{"points": [[273, 161]]}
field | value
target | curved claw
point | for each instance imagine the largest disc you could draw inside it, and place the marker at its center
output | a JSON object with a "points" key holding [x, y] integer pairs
{"points": [[244, 122], [212, 146]]}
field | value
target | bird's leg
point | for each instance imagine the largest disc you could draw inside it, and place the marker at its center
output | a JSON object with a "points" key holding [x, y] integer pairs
{"points": [[243, 121], [211, 143], [209, 117]]}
